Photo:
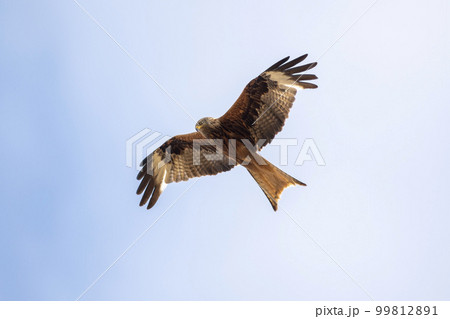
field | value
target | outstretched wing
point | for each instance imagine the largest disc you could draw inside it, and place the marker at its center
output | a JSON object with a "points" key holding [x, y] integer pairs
{"points": [[264, 105], [180, 158]]}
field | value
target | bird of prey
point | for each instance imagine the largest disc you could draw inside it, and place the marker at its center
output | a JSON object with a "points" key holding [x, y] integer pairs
{"points": [[251, 123]]}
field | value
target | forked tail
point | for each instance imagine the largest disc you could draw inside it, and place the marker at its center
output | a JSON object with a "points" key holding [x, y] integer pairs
{"points": [[271, 179]]}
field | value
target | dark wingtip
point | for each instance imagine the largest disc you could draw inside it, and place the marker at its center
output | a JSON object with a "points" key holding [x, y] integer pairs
{"points": [[307, 85], [300, 69], [292, 63], [307, 77], [143, 201], [276, 65], [151, 203]]}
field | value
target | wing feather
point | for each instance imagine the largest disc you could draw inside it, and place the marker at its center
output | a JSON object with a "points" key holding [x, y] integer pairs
{"points": [[301, 69], [276, 65], [174, 162], [292, 63], [263, 107]]}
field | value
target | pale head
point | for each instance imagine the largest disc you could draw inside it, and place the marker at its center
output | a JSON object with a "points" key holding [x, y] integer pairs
{"points": [[206, 125]]}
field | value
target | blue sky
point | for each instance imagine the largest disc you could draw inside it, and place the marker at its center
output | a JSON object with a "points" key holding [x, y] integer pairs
{"points": [[70, 98]]}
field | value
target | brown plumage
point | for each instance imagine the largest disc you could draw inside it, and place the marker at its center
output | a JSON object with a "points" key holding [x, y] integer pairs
{"points": [[220, 144]]}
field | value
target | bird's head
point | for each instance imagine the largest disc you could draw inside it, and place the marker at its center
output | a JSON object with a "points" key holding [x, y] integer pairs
{"points": [[205, 125]]}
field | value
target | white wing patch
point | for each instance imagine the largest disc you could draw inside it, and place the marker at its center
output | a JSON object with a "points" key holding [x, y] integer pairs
{"points": [[163, 182], [283, 79]]}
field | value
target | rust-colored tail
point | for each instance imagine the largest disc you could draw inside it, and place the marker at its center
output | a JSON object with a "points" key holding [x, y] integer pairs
{"points": [[271, 179]]}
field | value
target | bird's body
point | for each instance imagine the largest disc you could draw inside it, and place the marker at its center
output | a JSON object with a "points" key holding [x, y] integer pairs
{"points": [[233, 139]]}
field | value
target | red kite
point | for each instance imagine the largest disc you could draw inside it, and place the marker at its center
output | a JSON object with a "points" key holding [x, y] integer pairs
{"points": [[254, 119]]}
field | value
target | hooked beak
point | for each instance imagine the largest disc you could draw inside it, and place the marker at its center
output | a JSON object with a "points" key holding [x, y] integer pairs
{"points": [[197, 127]]}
